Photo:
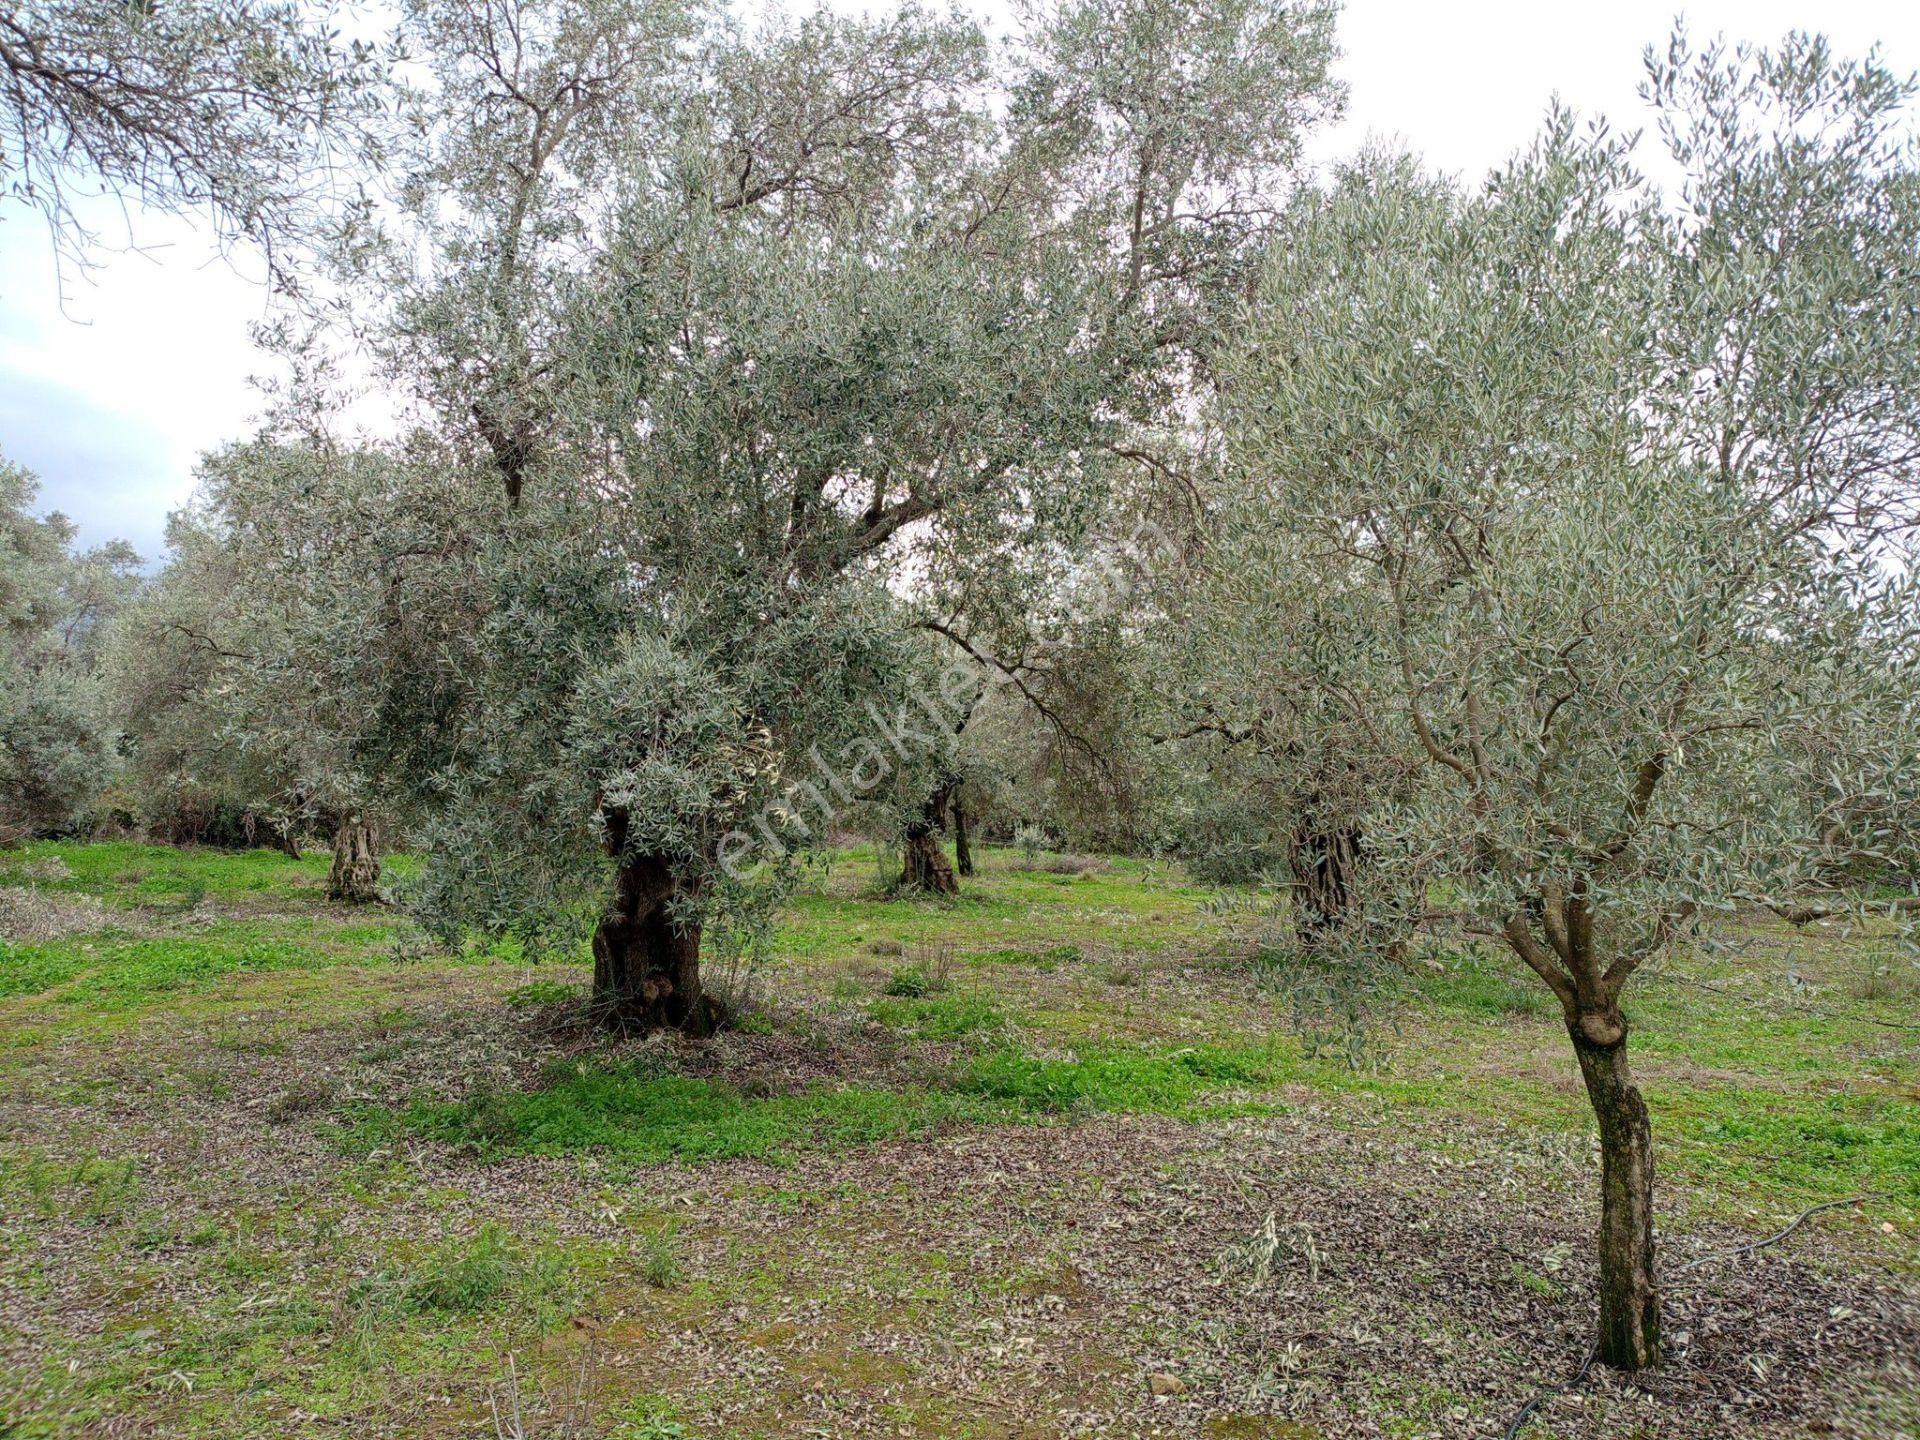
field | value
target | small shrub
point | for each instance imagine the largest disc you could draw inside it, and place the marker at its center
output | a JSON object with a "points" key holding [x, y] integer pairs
{"points": [[650, 1417], [930, 973], [1885, 977], [463, 1277], [1032, 839], [659, 1253]]}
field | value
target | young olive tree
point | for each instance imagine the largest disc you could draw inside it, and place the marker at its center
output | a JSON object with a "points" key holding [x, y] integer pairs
{"points": [[1580, 488]]}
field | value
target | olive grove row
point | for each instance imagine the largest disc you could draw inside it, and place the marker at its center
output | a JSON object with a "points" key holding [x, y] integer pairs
{"points": [[865, 424]]}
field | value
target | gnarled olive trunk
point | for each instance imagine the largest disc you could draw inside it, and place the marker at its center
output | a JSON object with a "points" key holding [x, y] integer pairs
{"points": [[926, 866], [646, 958], [1323, 859], [962, 850], [1629, 1336], [354, 875]]}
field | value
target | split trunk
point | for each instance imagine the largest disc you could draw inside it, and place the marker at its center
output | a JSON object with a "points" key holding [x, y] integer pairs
{"points": [[926, 866], [646, 949], [354, 875]]}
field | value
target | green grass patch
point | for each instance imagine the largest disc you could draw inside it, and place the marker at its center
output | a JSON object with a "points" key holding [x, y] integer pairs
{"points": [[104, 970], [541, 992], [124, 873], [1170, 1082], [638, 1116], [1810, 1146], [1470, 983], [952, 1016], [1046, 960]]}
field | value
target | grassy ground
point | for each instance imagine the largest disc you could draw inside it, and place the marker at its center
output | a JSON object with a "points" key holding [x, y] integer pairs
{"points": [[270, 1167]]}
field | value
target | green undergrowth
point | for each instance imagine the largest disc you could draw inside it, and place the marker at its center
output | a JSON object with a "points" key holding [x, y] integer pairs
{"points": [[641, 1115], [109, 969], [127, 874], [221, 991], [954, 1015], [341, 1328], [1194, 1082]]}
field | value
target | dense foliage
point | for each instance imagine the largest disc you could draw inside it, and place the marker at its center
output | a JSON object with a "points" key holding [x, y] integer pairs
{"points": [[55, 601]]}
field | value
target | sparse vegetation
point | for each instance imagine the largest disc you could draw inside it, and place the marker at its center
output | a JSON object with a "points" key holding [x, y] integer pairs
{"points": [[508, 1189]]}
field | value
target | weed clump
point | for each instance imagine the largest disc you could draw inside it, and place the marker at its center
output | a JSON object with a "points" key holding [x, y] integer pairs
{"points": [[659, 1252]]}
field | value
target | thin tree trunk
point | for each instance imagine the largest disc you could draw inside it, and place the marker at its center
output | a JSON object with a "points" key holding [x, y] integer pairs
{"points": [[354, 875], [1629, 1299], [646, 961], [962, 851]]}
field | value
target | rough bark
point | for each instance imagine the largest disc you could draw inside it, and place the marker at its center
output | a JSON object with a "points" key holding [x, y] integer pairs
{"points": [[926, 865], [1629, 1336], [354, 875], [646, 960], [962, 850], [1323, 859]]}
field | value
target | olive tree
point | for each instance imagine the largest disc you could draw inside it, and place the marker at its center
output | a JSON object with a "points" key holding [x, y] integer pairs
{"points": [[245, 111], [56, 741], [302, 657], [751, 330], [690, 603], [1571, 488], [172, 681], [352, 565]]}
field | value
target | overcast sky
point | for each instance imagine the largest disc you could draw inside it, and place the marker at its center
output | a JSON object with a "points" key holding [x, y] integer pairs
{"points": [[112, 394]]}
